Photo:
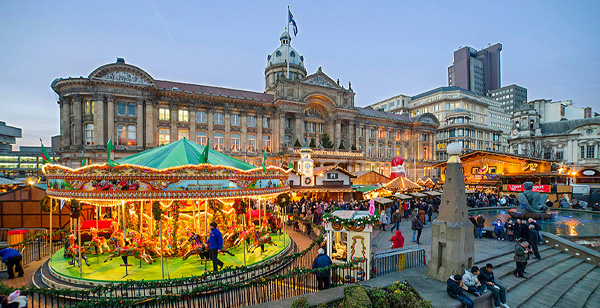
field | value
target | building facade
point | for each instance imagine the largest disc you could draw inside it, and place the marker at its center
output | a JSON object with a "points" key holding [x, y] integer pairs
{"points": [[476, 70], [125, 103], [26, 162], [573, 143], [509, 97], [8, 136]]}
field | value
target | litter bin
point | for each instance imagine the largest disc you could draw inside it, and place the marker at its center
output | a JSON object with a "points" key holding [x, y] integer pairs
{"points": [[15, 237]]}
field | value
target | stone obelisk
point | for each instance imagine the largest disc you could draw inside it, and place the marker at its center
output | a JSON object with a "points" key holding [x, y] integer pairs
{"points": [[452, 232]]}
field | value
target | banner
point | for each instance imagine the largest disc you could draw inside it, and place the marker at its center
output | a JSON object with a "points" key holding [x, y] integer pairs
{"points": [[536, 188]]}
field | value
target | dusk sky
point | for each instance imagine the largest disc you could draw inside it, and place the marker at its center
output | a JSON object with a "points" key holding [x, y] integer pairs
{"points": [[384, 48]]}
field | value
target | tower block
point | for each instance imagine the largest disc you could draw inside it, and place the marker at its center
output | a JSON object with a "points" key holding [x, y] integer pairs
{"points": [[452, 233]]}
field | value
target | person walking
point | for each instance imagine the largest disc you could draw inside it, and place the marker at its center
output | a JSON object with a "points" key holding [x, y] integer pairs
{"points": [[396, 219], [521, 256], [322, 261], [480, 223], [405, 208], [383, 220], [454, 287], [486, 277], [533, 241], [429, 211], [397, 240], [422, 216], [215, 244], [12, 258], [417, 227], [388, 215]]}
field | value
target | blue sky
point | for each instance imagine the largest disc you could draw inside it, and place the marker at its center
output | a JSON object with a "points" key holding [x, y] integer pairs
{"points": [[383, 47]]}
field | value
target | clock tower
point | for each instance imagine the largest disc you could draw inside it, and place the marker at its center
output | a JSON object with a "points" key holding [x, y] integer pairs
{"points": [[305, 167]]}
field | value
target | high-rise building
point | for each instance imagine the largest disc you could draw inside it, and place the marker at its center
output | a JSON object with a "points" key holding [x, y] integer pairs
{"points": [[25, 162], [476, 71], [509, 97], [8, 136]]}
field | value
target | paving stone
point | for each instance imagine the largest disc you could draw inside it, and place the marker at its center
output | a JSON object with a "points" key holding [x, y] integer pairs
{"points": [[556, 288]]}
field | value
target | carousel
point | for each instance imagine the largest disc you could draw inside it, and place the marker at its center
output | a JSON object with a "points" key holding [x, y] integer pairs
{"points": [[147, 216]]}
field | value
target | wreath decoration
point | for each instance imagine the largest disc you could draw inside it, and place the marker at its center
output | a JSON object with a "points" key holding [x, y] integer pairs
{"points": [[283, 200], [45, 204], [75, 208], [307, 181], [356, 224]]}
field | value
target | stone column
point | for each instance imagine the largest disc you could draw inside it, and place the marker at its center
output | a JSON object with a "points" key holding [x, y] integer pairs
{"points": [[192, 119], [65, 123], [227, 133], [77, 129], [110, 118], [151, 140], [299, 134], [259, 141], [139, 123], [452, 232], [99, 130], [211, 126], [281, 142], [350, 138], [338, 134], [174, 119]]}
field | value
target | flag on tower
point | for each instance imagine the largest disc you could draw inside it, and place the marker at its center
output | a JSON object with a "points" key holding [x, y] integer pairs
{"points": [[82, 159], [264, 162], [110, 153], [45, 156], [204, 158], [292, 22]]}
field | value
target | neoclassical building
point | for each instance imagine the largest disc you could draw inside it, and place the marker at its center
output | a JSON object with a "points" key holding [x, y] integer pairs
{"points": [[125, 103]]}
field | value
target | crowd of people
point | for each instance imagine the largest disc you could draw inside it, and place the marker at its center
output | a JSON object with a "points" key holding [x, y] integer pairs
{"points": [[483, 199]]}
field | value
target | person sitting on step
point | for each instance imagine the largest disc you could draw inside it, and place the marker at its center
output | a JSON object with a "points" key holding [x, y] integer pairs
{"points": [[486, 276], [454, 287], [472, 283]]}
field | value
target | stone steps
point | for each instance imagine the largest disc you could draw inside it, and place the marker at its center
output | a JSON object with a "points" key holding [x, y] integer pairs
{"points": [[509, 257], [579, 294], [505, 272]]}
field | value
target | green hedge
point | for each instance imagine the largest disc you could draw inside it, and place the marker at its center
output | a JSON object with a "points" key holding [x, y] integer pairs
{"points": [[356, 297]]}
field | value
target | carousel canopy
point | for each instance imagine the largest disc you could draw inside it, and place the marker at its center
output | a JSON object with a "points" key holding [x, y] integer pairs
{"points": [[180, 153]]}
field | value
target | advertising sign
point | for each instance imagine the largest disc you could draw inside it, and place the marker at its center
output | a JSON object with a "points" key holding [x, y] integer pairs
{"points": [[536, 188]]}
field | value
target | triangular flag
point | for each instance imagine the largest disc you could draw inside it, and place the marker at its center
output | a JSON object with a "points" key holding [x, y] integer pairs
{"points": [[45, 156], [204, 157], [110, 153], [82, 159], [291, 164]]}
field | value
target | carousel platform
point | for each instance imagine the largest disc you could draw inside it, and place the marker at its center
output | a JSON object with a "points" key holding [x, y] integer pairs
{"points": [[514, 213], [57, 273]]}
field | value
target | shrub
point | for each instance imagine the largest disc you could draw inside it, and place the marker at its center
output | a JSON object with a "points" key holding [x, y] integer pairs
{"points": [[356, 297], [301, 302]]}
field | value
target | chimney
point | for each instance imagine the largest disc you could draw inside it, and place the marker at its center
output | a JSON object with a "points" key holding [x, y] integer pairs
{"points": [[587, 112]]}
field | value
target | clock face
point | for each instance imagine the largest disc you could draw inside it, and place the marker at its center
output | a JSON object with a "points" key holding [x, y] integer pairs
{"points": [[307, 166], [515, 132]]}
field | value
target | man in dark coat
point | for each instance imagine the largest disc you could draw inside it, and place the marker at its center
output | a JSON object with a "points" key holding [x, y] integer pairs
{"points": [[521, 256], [486, 277], [322, 261], [533, 241], [215, 244], [480, 223], [12, 258], [454, 287], [396, 219], [417, 228], [524, 231]]}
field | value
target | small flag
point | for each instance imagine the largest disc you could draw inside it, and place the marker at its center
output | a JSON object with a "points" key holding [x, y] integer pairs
{"points": [[264, 162], [110, 153], [292, 22], [82, 159], [291, 164], [204, 158], [45, 156], [62, 204]]}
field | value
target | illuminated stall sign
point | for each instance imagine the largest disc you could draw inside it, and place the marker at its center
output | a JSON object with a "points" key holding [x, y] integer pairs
{"points": [[536, 188]]}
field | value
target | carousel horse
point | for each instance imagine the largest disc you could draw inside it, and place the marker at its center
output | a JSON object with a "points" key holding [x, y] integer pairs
{"points": [[121, 250], [197, 247], [246, 235], [98, 241], [74, 250], [275, 225], [260, 241]]}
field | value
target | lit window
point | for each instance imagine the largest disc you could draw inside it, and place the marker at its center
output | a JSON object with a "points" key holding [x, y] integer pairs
{"points": [[89, 134], [183, 116], [235, 142], [201, 117], [267, 143], [183, 134], [89, 107], [126, 135], [251, 140], [164, 136], [164, 114], [406, 136], [251, 121], [235, 120], [219, 141], [398, 137], [218, 119], [201, 138]]}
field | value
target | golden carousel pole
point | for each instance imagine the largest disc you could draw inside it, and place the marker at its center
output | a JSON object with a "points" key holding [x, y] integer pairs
{"points": [[51, 208], [79, 240], [141, 216]]}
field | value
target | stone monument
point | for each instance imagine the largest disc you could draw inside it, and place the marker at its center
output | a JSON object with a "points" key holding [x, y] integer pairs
{"points": [[452, 232]]}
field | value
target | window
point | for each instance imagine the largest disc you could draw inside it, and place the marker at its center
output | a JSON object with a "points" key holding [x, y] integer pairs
{"points": [[267, 143], [591, 151], [287, 141], [219, 141], [121, 108], [126, 135], [425, 153], [389, 151], [582, 151], [361, 132], [251, 143], [183, 134], [266, 122], [320, 126], [89, 107], [397, 151], [370, 150], [164, 114], [398, 137], [201, 138], [288, 123], [89, 134], [380, 134], [251, 121], [425, 137], [406, 136], [164, 136], [311, 127], [332, 176], [559, 154], [183, 116], [131, 109], [218, 119], [388, 134], [235, 142], [201, 117], [235, 120], [380, 151]]}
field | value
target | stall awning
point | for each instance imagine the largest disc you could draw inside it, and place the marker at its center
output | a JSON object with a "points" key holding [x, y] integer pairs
{"points": [[366, 188], [469, 192], [433, 193], [382, 200], [402, 196], [419, 195]]}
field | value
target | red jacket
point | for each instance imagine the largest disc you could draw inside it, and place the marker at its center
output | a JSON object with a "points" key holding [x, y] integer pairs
{"points": [[397, 240]]}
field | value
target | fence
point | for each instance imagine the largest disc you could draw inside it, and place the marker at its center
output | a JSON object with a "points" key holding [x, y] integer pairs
{"points": [[396, 260], [36, 244]]}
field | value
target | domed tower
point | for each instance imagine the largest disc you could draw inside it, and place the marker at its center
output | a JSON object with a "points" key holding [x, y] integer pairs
{"points": [[277, 63]]}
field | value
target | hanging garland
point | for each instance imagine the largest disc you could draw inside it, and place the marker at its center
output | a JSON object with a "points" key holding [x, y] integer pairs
{"points": [[357, 222], [75, 208], [45, 204], [283, 200]]}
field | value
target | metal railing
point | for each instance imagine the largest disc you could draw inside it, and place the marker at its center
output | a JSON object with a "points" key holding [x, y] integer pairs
{"points": [[397, 260], [38, 248]]}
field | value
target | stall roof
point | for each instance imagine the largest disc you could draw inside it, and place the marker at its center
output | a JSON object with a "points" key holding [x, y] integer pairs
{"points": [[402, 196], [418, 195], [382, 200], [401, 183], [366, 188], [433, 193]]}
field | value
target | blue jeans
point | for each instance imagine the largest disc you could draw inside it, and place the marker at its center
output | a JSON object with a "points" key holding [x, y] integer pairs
{"points": [[479, 289], [479, 232], [396, 226], [414, 235], [466, 300], [498, 295], [499, 233]]}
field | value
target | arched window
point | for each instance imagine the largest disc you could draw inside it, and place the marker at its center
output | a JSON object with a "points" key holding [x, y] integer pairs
{"points": [[278, 53], [292, 54], [531, 124], [517, 124]]}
